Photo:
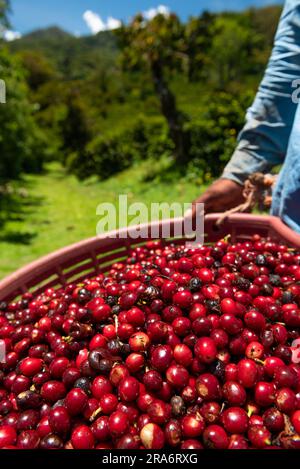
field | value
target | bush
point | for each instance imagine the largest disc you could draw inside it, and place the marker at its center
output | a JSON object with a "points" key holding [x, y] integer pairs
{"points": [[110, 154], [22, 144], [214, 134]]}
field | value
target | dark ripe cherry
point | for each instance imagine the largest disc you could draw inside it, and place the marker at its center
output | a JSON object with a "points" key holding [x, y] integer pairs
{"points": [[117, 374], [234, 393], [285, 400], [208, 387], [8, 436], [108, 403], [295, 419], [215, 437], [237, 346], [152, 380], [220, 338], [237, 442], [100, 429], [235, 420], [191, 444], [292, 318], [59, 420], [144, 400], [264, 393], [161, 357], [170, 313], [192, 425], [279, 333], [247, 373], [58, 366], [267, 338], [231, 324], [152, 436], [28, 420], [205, 350], [231, 372], [259, 436], [83, 383], [183, 355], [52, 391], [284, 352], [273, 420], [183, 299], [28, 439], [20, 384], [10, 419], [189, 394], [82, 437], [135, 362], [128, 389], [159, 412], [173, 433], [255, 320], [202, 326], [181, 326], [51, 441], [75, 401], [128, 441], [177, 376], [100, 386], [271, 365], [40, 378], [118, 424], [285, 376], [210, 411], [28, 400], [217, 368]]}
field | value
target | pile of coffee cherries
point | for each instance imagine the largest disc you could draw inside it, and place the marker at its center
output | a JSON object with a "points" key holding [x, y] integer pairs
{"points": [[176, 347]]}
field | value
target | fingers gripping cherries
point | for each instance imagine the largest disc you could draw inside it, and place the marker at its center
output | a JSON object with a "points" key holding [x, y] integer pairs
{"points": [[186, 348]]}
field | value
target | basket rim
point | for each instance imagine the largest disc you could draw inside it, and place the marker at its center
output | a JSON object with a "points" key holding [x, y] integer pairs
{"points": [[18, 278]]}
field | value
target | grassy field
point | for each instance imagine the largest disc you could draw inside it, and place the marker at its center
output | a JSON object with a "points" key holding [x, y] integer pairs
{"points": [[54, 209]]}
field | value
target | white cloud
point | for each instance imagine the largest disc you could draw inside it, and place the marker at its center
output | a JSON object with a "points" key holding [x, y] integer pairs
{"points": [[152, 12], [9, 35], [96, 24], [113, 23]]}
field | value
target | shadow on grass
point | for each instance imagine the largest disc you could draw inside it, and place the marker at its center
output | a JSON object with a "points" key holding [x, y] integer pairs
{"points": [[16, 208], [165, 174], [14, 237]]}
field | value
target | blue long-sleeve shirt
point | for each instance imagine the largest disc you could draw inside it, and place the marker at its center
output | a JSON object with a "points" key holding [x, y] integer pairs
{"points": [[264, 141]]}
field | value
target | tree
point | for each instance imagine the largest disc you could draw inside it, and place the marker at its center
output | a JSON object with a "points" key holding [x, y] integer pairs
{"points": [[39, 69], [233, 48], [199, 34], [75, 129], [159, 45], [4, 10], [22, 147]]}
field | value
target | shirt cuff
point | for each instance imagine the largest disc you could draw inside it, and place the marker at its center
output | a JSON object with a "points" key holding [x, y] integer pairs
{"points": [[243, 163]]}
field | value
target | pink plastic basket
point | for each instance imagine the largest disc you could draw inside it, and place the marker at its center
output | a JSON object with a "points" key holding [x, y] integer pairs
{"points": [[94, 255]]}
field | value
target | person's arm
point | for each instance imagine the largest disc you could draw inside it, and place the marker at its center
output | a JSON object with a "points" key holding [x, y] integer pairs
{"points": [[263, 141]]}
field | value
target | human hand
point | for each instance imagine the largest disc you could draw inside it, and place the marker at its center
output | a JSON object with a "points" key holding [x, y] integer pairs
{"points": [[222, 195]]}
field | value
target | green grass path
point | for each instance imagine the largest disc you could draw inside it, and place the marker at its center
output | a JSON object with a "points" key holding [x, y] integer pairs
{"points": [[59, 210]]}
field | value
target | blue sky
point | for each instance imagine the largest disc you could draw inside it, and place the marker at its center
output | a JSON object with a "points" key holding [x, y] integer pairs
{"points": [[68, 14]]}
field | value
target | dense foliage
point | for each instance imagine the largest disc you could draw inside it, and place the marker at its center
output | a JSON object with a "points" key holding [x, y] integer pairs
{"points": [[149, 90]]}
